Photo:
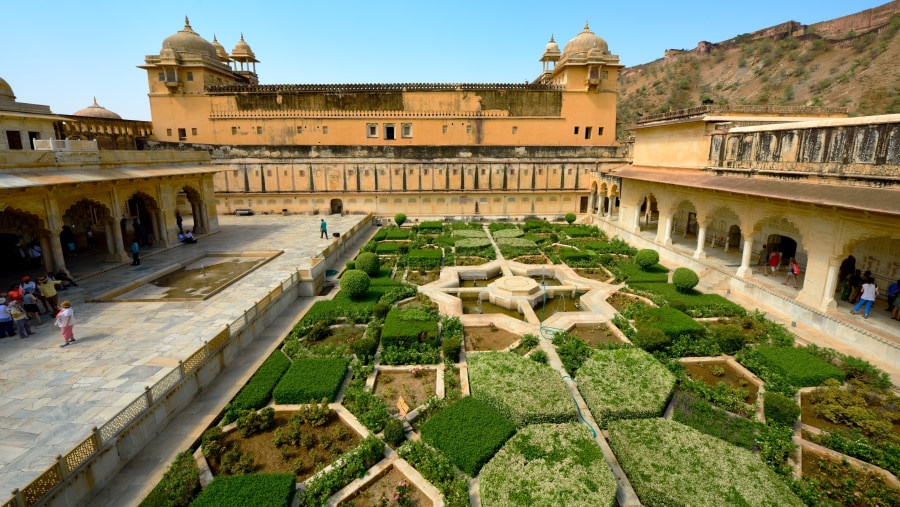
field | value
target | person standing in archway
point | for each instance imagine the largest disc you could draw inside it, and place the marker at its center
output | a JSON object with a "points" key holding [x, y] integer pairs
{"points": [[774, 261], [178, 221]]}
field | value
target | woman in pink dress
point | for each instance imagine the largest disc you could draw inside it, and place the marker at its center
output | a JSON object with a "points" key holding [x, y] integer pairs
{"points": [[65, 319]]}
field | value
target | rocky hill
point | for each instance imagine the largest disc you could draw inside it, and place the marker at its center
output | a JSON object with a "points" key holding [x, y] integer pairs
{"points": [[848, 62]]}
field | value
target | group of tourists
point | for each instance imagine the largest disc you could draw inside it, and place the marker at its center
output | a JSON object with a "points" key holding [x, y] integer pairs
{"points": [[26, 301]]}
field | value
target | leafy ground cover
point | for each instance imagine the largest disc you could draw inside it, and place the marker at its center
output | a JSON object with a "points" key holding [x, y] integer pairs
{"points": [[310, 380], [549, 464], [438, 470], [450, 431], [524, 391], [262, 490], [351, 466], [829, 483], [623, 384], [632, 273], [669, 463], [795, 365], [694, 303], [704, 417], [670, 321], [258, 391]]}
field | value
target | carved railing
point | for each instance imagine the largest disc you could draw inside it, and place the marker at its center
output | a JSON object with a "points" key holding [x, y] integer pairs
{"points": [[378, 87]]}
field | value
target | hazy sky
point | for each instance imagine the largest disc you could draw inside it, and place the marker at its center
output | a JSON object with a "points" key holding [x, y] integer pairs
{"points": [[64, 53]]}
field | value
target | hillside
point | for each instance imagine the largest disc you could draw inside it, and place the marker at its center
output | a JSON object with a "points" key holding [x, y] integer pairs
{"points": [[791, 64]]}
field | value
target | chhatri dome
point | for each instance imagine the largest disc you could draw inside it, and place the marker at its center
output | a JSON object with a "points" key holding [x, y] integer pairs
{"points": [[584, 42], [220, 50], [6, 92], [97, 111], [242, 51], [188, 41]]}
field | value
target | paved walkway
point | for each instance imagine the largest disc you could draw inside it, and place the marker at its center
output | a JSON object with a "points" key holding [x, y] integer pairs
{"points": [[50, 398]]}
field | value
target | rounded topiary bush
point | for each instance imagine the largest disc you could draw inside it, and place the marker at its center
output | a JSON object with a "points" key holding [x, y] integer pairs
{"points": [[685, 279], [731, 338], [368, 263], [646, 258], [350, 265], [651, 339], [570, 217], [393, 432], [399, 218], [780, 409], [355, 282]]}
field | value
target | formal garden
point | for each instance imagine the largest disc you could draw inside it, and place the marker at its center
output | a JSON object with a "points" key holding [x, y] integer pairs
{"points": [[377, 397]]}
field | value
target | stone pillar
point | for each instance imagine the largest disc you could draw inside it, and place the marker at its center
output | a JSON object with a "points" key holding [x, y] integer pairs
{"points": [[609, 205], [204, 219], [119, 254], [831, 282], [591, 198], [108, 234], [636, 225], [700, 253], [46, 258], [745, 270], [667, 233], [56, 251], [154, 225]]}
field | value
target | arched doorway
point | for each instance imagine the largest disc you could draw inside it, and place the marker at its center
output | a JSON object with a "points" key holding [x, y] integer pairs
{"points": [[88, 218], [337, 206], [20, 230], [649, 214], [139, 223], [787, 247], [734, 237], [190, 197]]}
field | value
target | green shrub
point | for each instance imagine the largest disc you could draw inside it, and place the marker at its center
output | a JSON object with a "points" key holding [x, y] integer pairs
{"points": [[350, 265], [212, 443], [431, 227], [369, 409], [438, 470], [539, 356], [397, 234], [178, 486], [259, 490], [450, 348], [310, 380], [685, 279], [578, 259], [251, 421], [528, 341], [646, 258], [780, 409], [572, 351], [730, 337], [393, 431], [651, 339], [355, 282], [400, 219], [635, 274], [704, 417], [258, 391], [570, 218], [798, 366], [368, 263], [670, 321], [427, 258], [387, 248], [450, 432], [694, 303], [380, 310], [348, 467], [405, 327]]}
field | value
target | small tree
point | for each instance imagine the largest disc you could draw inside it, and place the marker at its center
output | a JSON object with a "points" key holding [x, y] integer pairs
{"points": [[685, 279], [646, 258], [399, 218], [369, 263], [355, 282], [651, 339], [570, 218]]}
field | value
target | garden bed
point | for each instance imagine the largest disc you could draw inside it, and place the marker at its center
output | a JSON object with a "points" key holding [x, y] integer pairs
{"points": [[721, 372], [419, 277], [488, 338], [390, 488], [597, 273], [414, 387], [838, 483], [326, 443], [596, 334]]}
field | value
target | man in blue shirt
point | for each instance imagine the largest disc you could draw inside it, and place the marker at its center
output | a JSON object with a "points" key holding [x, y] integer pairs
{"points": [[892, 293]]}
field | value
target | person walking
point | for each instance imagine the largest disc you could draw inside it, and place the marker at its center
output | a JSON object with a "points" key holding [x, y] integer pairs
{"points": [[773, 261], [135, 253], [893, 294], [867, 297], [20, 319], [48, 288], [7, 328], [763, 257], [323, 228], [178, 221], [65, 319], [29, 304], [792, 272]]}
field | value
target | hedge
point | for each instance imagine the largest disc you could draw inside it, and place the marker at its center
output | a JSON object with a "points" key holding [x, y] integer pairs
{"points": [[654, 274], [452, 431], [508, 233], [404, 327], [388, 248], [258, 391], [438, 470], [670, 321], [178, 486], [470, 233], [428, 258], [579, 259], [259, 490], [397, 234], [695, 303], [311, 380], [582, 231], [798, 366], [431, 227], [538, 226]]}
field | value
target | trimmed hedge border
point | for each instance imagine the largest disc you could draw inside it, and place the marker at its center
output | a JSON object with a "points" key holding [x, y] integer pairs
{"points": [[259, 490], [452, 432], [798, 366], [258, 391], [310, 380]]}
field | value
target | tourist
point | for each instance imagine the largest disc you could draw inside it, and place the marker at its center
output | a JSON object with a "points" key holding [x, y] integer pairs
{"points": [[189, 238], [14, 294], [855, 282], [323, 230], [867, 297], [763, 256], [27, 284], [65, 320], [892, 294], [63, 276], [29, 303], [848, 266], [48, 288], [90, 239], [20, 319], [178, 221], [67, 238], [35, 252], [135, 253], [792, 272], [774, 261], [7, 328]]}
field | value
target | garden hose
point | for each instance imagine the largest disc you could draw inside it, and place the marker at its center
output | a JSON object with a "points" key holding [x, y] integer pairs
{"points": [[580, 416]]}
